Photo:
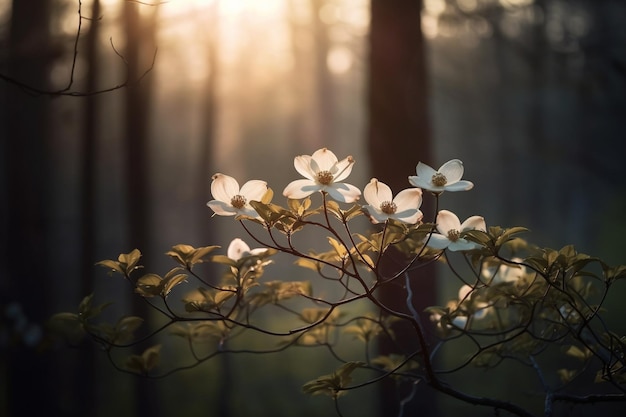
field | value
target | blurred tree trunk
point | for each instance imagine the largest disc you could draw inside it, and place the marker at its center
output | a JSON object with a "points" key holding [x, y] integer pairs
{"points": [[83, 386], [29, 383], [222, 407], [302, 126], [399, 137], [139, 26], [323, 90]]}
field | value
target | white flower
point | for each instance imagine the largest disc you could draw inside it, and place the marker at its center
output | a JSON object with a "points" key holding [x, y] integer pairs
{"points": [[323, 172], [230, 200], [239, 249], [382, 206], [501, 273], [446, 178], [450, 229], [471, 302]]}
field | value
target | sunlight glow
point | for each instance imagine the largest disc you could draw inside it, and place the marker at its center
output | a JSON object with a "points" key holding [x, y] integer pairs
{"points": [[339, 60]]}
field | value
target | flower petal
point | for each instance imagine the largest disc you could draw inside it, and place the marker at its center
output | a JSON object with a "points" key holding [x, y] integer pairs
{"points": [[342, 192], [462, 245], [249, 211], [224, 187], [424, 171], [376, 216], [437, 241], [375, 192], [324, 159], [221, 208], [464, 292], [460, 321], [343, 168], [302, 164], [236, 249], [460, 186], [473, 223], [411, 198], [411, 216], [254, 190], [446, 221], [452, 170], [419, 182], [300, 189]]}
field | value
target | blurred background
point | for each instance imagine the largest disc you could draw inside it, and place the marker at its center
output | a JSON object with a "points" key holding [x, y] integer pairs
{"points": [[115, 114]]}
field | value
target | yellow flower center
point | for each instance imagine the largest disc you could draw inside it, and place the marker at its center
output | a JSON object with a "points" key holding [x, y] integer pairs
{"points": [[324, 177], [238, 201], [388, 207], [439, 179], [453, 235]]}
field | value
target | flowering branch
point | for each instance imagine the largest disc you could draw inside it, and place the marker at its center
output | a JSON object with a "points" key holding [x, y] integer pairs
{"points": [[516, 302]]}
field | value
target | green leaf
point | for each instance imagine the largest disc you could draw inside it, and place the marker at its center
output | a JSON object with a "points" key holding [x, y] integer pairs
{"points": [[87, 311], [270, 213], [566, 375], [198, 255], [125, 328], [113, 266], [223, 259], [309, 264], [615, 273], [149, 285], [171, 283], [338, 247], [188, 256], [509, 233], [576, 352], [395, 362], [145, 362], [69, 326], [282, 290], [128, 261], [334, 384]]}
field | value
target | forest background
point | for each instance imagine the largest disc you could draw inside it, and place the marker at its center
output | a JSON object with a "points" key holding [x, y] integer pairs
{"points": [[110, 136]]}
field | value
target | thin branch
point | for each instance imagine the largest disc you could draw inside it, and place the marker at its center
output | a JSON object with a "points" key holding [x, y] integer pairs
{"points": [[67, 90]]}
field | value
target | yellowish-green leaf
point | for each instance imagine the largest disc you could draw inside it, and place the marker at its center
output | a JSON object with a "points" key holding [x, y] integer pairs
{"points": [[566, 375], [199, 254], [576, 352], [267, 197], [334, 384], [128, 261], [309, 264], [338, 247], [171, 283], [125, 328], [145, 362], [395, 362], [113, 266], [149, 285]]}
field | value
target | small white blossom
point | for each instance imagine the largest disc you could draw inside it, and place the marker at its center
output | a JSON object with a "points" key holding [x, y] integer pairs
{"points": [[382, 206], [239, 249], [323, 172], [446, 178], [450, 229], [504, 273], [230, 200]]}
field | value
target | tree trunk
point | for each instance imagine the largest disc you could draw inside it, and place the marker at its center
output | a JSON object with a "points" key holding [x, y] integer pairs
{"points": [[84, 365], [139, 26], [24, 244], [399, 137]]}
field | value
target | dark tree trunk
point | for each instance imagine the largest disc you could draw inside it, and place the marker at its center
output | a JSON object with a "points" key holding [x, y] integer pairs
{"points": [[24, 245], [399, 137], [84, 364], [139, 26]]}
